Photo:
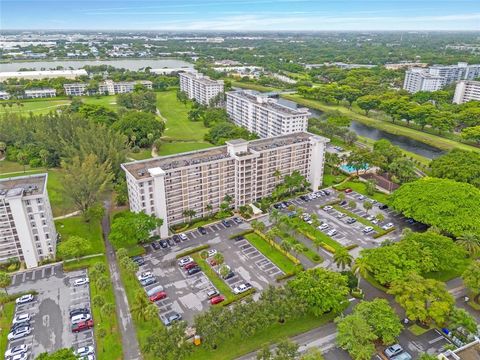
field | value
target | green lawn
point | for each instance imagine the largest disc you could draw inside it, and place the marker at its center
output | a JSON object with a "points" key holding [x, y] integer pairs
{"points": [[361, 188], [430, 139], [311, 232], [109, 101], [169, 148], [309, 253], [141, 155], [329, 179], [275, 256], [40, 106], [253, 86], [11, 167], [6, 317], [90, 231]]}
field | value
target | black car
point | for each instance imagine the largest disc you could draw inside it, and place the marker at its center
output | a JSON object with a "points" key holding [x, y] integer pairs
{"points": [[163, 244], [343, 202], [229, 275], [194, 270], [382, 206], [79, 312], [226, 223], [202, 230], [326, 192], [155, 245], [304, 198], [139, 261], [170, 242], [277, 206], [176, 238]]}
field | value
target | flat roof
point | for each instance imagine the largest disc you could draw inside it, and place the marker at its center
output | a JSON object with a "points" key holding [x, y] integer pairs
{"points": [[26, 185], [42, 72], [202, 78]]}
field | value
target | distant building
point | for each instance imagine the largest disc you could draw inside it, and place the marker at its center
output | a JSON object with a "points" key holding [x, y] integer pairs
{"points": [[166, 186], [437, 76], [469, 351], [199, 87], [40, 93], [466, 90], [45, 74], [403, 65], [111, 88], [4, 95], [75, 89], [264, 116], [340, 65], [168, 71], [27, 230]]}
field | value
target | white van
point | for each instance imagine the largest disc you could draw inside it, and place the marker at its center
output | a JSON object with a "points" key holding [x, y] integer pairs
{"points": [[154, 290], [79, 318]]}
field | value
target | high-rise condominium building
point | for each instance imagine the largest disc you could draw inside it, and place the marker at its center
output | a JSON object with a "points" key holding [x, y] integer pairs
{"points": [[111, 88], [467, 91], [437, 76], [27, 230], [263, 115], [200, 88], [245, 170]]}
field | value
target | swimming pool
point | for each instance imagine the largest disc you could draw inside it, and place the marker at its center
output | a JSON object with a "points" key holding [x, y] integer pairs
{"points": [[351, 169]]}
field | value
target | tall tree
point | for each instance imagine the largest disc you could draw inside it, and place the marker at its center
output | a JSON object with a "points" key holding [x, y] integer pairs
{"points": [[131, 228], [73, 247], [355, 335], [5, 281]]}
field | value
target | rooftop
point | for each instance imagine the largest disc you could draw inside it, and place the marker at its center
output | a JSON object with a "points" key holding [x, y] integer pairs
{"points": [[468, 352], [268, 103], [23, 185], [12, 74], [202, 78]]}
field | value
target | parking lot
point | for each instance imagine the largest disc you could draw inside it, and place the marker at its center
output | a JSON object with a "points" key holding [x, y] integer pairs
{"points": [[187, 294], [49, 311]]}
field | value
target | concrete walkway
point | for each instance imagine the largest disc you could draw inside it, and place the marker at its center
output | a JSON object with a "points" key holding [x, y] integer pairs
{"points": [[75, 213]]}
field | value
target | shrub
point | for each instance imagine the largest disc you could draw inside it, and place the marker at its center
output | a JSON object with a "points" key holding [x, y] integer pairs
{"points": [[192, 251], [243, 233], [377, 235]]}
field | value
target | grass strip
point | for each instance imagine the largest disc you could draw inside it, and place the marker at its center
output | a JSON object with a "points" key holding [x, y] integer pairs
{"points": [[310, 232], [6, 317]]}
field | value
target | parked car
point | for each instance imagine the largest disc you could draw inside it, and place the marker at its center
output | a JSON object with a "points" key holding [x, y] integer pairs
{"points": [[343, 202], [163, 244], [24, 299], [367, 229], [183, 237], [202, 230], [226, 223], [79, 318], [19, 333], [21, 318], [158, 296], [144, 275], [242, 288], [23, 356], [370, 217], [327, 208], [148, 281], [326, 192], [154, 290], [212, 293], [304, 198], [348, 190], [402, 356], [84, 351], [190, 265], [170, 242], [229, 275], [332, 232], [410, 221], [176, 238], [156, 245], [217, 299], [212, 252], [79, 311], [382, 206], [139, 260], [171, 319], [350, 220], [360, 197], [16, 350], [393, 350], [387, 226], [83, 325], [194, 270], [323, 227], [237, 220], [80, 282], [375, 221], [184, 261], [19, 325], [340, 215]]}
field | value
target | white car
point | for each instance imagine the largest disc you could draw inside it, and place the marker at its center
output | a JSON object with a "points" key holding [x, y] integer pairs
{"points": [[19, 333], [327, 208], [332, 232], [183, 236], [242, 288], [87, 357], [370, 217], [212, 252], [16, 350], [80, 282], [23, 356], [387, 226], [20, 318], [145, 275], [184, 261], [24, 299], [361, 197], [375, 221], [79, 318], [84, 351], [368, 229], [323, 227]]}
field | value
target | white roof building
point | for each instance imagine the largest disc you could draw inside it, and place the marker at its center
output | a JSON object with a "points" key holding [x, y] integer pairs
{"points": [[44, 74]]}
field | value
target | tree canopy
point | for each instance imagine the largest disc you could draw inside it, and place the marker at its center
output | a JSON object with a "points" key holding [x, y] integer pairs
{"points": [[141, 128], [446, 204], [129, 228], [458, 165]]}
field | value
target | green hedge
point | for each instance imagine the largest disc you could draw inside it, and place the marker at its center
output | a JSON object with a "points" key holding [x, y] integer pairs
{"points": [[192, 251], [384, 232], [239, 297], [243, 233]]}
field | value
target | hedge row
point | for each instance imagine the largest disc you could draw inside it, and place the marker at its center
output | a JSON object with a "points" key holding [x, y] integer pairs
{"points": [[192, 251], [239, 297], [279, 248], [385, 232], [240, 234]]}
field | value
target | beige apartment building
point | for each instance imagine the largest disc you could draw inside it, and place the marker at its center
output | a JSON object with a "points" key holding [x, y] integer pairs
{"points": [[166, 186], [465, 91], [200, 88]]}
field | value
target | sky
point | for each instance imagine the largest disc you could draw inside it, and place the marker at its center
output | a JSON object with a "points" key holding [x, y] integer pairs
{"points": [[241, 15]]}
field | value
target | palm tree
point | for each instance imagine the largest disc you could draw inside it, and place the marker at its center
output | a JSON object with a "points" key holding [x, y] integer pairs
{"points": [[209, 209], [341, 196], [204, 254], [297, 249], [285, 245], [228, 199], [151, 312], [277, 174], [219, 259], [360, 268], [102, 283], [315, 221], [367, 206], [274, 216], [189, 213], [3, 147], [270, 237], [139, 304], [470, 242], [342, 259]]}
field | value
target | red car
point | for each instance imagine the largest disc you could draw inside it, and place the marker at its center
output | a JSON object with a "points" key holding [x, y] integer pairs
{"points": [[158, 296], [348, 190], [190, 265], [213, 262], [83, 325], [217, 299]]}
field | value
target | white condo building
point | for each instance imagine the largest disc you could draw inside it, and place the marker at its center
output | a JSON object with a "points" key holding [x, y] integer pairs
{"points": [[43, 74], [265, 116], [166, 186], [27, 230], [111, 88], [75, 89], [466, 91], [4, 95], [199, 87], [436, 77], [40, 93]]}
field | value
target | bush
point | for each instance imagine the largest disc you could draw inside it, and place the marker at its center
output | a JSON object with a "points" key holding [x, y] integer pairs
{"points": [[136, 149], [357, 294], [192, 251], [35, 163], [377, 235], [241, 234], [286, 275], [317, 257], [239, 297], [351, 246]]}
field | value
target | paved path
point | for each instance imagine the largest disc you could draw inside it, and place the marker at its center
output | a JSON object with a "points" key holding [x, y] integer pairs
{"points": [[131, 349], [75, 213]]}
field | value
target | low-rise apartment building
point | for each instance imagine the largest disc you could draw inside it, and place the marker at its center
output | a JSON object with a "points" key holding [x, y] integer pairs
{"points": [[200, 88], [40, 93], [4, 95], [75, 89], [112, 88], [245, 170], [465, 91], [265, 116], [27, 230]]}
